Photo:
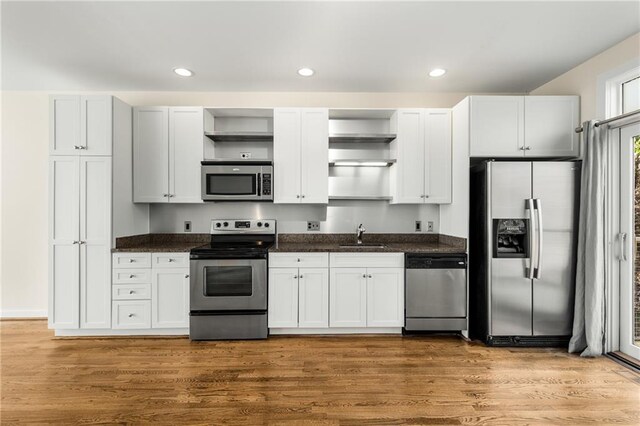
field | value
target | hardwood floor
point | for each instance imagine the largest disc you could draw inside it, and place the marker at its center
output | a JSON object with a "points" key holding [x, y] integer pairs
{"points": [[299, 380]]}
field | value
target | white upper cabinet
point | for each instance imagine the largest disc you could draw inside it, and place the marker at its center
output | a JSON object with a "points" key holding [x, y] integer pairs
{"points": [[550, 123], [437, 152], [167, 150], [497, 126], [185, 154], [524, 126], [301, 155], [81, 125], [422, 173]]}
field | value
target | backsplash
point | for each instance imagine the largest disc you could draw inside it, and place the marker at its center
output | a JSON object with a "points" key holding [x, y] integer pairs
{"points": [[338, 217]]}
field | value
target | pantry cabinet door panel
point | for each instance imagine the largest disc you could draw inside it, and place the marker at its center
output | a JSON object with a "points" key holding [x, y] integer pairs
{"points": [[64, 137], [438, 156], [407, 174], [315, 156], [96, 125]]}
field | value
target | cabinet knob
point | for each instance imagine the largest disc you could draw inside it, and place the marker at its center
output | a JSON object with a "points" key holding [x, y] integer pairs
{"points": [[131, 260], [364, 275], [82, 242], [186, 276], [301, 276], [132, 292], [132, 315], [171, 260], [165, 195], [297, 196], [528, 148], [298, 260], [295, 277], [303, 196], [76, 242], [426, 196], [370, 276], [76, 147], [132, 276], [171, 195]]}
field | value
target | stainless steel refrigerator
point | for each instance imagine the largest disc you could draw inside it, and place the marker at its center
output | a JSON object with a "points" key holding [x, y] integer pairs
{"points": [[523, 235]]}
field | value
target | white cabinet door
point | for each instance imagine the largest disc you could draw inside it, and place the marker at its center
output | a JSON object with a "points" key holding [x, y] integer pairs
{"points": [[96, 127], [407, 174], [437, 152], [283, 297], [550, 123], [286, 155], [95, 242], [385, 297], [348, 297], [64, 137], [314, 156], [313, 289], [497, 126], [170, 298], [150, 154], [64, 255], [185, 154]]}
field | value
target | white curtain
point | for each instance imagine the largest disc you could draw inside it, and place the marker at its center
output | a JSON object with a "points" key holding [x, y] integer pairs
{"points": [[589, 312]]}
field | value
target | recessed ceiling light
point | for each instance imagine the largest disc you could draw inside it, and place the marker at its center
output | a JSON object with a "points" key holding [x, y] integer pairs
{"points": [[437, 72], [306, 72], [183, 72]]}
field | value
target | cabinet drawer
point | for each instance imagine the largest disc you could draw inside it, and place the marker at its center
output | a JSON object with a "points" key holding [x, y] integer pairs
{"points": [[131, 260], [299, 260], [131, 276], [131, 314], [131, 291], [367, 260], [170, 260]]}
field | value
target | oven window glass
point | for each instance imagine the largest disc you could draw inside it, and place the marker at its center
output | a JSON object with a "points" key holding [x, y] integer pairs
{"points": [[222, 281], [231, 184]]}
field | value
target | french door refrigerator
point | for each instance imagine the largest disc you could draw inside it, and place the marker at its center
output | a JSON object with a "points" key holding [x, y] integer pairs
{"points": [[523, 237]]}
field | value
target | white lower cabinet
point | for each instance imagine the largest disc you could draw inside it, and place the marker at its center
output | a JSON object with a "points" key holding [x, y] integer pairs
{"points": [[170, 298], [148, 291], [365, 290]]}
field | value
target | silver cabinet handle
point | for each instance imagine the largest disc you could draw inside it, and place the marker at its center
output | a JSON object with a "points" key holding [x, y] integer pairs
{"points": [[171, 260], [533, 248], [426, 196], [132, 276], [186, 276], [364, 275], [622, 238], [76, 242], [527, 148], [537, 204], [302, 195], [131, 260], [370, 276], [132, 292], [165, 195], [76, 147], [131, 315], [171, 195], [82, 242], [295, 277], [297, 196], [298, 260], [521, 148], [301, 276]]}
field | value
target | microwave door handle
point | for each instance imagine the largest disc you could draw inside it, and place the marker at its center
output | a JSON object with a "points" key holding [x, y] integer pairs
{"points": [[259, 184]]}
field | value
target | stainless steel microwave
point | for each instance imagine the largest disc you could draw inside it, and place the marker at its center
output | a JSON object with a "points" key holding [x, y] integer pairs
{"points": [[228, 180]]}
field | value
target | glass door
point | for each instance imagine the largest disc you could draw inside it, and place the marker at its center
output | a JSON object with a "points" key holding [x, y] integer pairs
{"points": [[629, 240]]}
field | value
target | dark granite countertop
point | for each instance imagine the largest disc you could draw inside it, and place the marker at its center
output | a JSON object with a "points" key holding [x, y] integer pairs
{"points": [[393, 243], [152, 243]]}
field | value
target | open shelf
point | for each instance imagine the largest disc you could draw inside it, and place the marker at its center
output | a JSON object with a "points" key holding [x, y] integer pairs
{"points": [[239, 136], [361, 137], [369, 162]]}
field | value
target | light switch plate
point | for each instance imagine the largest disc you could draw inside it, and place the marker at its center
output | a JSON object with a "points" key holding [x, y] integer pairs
{"points": [[313, 226], [429, 226]]}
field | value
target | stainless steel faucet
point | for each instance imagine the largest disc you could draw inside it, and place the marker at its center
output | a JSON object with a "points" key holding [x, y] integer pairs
{"points": [[360, 232]]}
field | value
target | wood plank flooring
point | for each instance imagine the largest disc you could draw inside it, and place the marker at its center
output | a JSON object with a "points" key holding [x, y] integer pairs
{"points": [[303, 380]]}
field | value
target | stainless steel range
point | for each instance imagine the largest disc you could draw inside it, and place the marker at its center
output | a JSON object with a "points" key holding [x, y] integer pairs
{"points": [[229, 281]]}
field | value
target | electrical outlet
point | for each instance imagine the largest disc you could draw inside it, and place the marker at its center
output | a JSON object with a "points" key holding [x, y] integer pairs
{"points": [[418, 226], [245, 155], [313, 226], [187, 226], [429, 226]]}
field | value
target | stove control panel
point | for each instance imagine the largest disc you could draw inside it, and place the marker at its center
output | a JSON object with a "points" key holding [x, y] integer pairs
{"points": [[243, 226]]}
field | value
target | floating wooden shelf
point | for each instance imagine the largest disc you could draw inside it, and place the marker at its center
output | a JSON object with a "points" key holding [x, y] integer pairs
{"points": [[240, 136], [361, 137]]}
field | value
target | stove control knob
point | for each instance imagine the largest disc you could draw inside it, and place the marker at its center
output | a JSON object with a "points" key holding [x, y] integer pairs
{"points": [[266, 225], [259, 224], [226, 224], [218, 225]]}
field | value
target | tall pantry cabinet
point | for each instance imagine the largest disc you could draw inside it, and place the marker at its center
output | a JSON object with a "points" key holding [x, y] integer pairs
{"points": [[87, 133]]}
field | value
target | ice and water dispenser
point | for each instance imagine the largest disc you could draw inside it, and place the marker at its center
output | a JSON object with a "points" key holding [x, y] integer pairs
{"points": [[511, 238]]}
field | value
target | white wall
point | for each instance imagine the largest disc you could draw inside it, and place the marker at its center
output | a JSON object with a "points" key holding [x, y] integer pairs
{"points": [[24, 190], [583, 79]]}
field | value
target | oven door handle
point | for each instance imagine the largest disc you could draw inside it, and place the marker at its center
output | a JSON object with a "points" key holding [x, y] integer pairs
{"points": [[259, 184]]}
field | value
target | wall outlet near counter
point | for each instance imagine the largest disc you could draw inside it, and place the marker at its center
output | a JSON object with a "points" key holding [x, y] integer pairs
{"points": [[187, 226], [429, 226], [418, 226], [313, 226], [245, 155]]}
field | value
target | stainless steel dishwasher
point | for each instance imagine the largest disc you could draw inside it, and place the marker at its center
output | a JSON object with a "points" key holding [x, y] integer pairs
{"points": [[436, 292]]}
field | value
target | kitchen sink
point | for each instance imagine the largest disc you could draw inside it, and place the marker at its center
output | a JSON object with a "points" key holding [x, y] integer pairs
{"points": [[363, 246]]}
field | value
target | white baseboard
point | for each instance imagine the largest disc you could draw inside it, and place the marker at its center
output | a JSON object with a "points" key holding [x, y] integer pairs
{"points": [[335, 331], [122, 333], [23, 313]]}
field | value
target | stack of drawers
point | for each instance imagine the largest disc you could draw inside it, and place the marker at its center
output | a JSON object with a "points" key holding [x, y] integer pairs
{"points": [[131, 290]]}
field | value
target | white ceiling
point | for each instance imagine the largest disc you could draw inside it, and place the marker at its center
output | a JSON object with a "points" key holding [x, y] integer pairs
{"points": [[258, 46]]}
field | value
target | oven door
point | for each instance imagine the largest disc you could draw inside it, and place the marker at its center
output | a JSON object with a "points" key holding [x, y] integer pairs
{"points": [[228, 284], [231, 182]]}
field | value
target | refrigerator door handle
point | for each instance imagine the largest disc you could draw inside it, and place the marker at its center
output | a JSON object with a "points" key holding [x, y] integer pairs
{"points": [[533, 248], [537, 205]]}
